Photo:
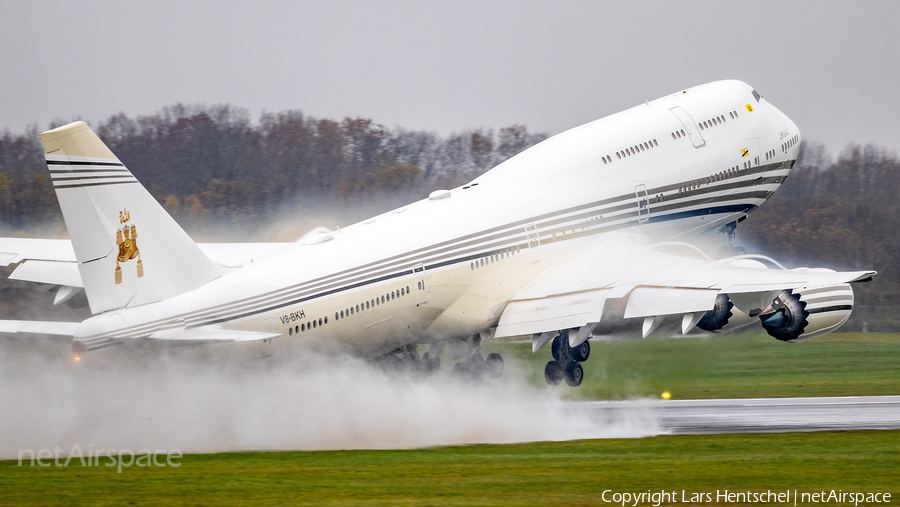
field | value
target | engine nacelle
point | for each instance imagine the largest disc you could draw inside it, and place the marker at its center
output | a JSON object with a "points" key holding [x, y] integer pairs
{"points": [[717, 318], [809, 312]]}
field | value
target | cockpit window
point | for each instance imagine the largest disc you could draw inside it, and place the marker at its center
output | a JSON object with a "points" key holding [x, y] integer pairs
{"points": [[756, 96]]}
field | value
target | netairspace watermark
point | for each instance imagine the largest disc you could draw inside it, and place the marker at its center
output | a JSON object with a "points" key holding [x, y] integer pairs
{"points": [[119, 458], [786, 496]]}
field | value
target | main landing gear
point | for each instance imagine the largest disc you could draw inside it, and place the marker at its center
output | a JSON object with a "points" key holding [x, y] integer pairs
{"points": [[406, 360], [476, 368], [566, 361]]}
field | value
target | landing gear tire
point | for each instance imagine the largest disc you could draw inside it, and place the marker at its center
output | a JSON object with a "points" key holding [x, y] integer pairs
{"points": [[582, 352], [574, 374], [553, 373], [470, 373], [461, 372], [555, 347], [494, 365]]}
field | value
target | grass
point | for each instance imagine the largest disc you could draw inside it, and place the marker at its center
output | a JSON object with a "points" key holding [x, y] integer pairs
{"points": [[730, 366], [565, 473]]}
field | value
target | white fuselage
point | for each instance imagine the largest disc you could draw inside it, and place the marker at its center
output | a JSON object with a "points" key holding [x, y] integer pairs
{"points": [[440, 268]]}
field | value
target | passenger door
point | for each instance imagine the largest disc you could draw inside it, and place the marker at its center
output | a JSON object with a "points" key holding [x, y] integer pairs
{"points": [[689, 126], [421, 279], [643, 202], [534, 243]]}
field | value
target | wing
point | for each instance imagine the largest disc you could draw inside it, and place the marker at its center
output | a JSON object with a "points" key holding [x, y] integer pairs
{"points": [[573, 292]]}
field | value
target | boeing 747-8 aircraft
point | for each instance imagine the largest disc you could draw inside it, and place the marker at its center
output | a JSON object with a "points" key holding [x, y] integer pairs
{"points": [[560, 243]]}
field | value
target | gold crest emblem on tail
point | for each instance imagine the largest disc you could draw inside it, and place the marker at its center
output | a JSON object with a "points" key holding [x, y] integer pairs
{"points": [[126, 238]]}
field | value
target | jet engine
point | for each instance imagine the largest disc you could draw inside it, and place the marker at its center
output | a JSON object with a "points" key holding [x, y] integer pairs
{"points": [[717, 318], [801, 314]]}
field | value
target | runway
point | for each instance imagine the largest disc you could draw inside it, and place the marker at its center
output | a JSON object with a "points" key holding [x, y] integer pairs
{"points": [[756, 415]]}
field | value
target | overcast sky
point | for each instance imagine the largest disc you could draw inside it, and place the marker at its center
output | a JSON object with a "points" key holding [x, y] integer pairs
{"points": [[833, 67]]}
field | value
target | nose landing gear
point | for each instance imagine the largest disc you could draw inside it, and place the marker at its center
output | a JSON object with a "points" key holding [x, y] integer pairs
{"points": [[567, 361]]}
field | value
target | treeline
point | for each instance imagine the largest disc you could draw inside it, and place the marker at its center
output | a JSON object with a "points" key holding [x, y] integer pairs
{"points": [[203, 162], [212, 164]]}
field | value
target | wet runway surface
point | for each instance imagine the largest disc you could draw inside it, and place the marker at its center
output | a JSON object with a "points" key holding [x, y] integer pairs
{"points": [[759, 415]]}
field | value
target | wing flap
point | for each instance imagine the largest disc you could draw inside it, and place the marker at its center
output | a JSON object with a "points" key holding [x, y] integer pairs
{"points": [[551, 314], [652, 301]]}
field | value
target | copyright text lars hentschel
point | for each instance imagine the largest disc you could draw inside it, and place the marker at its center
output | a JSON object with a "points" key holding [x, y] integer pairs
{"points": [[788, 496]]}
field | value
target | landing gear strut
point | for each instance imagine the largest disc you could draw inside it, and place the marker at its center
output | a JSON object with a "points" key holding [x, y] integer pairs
{"points": [[731, 249], [475, 368], [566, 361]]}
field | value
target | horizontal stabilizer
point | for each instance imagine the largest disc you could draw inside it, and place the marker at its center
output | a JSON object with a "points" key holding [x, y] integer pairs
{"points": [[15, 250], [212, 334], [52, 261], [55, 273], [39, 327]]}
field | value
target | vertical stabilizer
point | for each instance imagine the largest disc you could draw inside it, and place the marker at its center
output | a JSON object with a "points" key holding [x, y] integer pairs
{"points": [[130, 252]]}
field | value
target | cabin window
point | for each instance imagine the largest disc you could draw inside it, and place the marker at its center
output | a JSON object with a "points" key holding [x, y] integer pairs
{"points": [[303, 327], [314, 324], [326, 321], [290, 331]]}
